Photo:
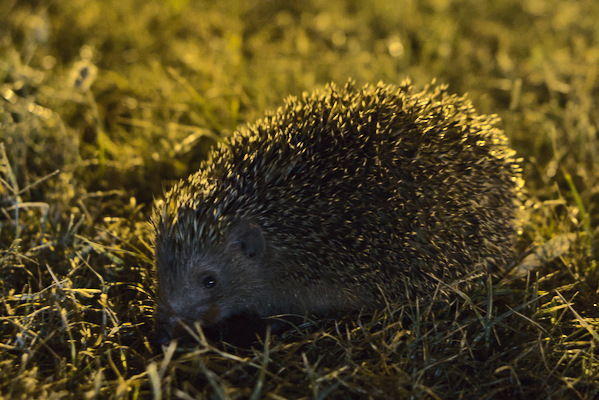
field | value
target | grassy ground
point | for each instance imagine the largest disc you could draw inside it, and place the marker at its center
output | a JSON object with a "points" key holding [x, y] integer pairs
{"points": [[105, 103]]}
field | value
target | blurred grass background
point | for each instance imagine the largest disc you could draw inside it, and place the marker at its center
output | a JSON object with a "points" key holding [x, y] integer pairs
{"points": [[103, 104]]}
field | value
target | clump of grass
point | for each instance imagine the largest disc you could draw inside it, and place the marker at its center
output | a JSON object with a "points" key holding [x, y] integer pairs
{"points": [[105, 103]]}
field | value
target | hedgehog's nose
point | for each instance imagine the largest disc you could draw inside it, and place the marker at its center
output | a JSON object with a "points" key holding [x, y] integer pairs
{"points": [[162, 335], [167, 326], [165, 331]]}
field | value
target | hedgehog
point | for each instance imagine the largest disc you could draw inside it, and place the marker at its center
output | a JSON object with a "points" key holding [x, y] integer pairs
{"points": [[342, 200]]}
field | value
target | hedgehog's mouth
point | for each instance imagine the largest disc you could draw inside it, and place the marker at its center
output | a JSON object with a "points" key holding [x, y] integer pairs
{"points": [[239, 329], [210, 315], [169, 325]]}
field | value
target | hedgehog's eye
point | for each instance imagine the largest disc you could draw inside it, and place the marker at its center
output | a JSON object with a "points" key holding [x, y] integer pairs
{"points": [[209, 282]]}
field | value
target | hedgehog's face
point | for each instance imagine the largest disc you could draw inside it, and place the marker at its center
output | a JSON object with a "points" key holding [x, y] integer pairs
{"points": [[211, 283]]}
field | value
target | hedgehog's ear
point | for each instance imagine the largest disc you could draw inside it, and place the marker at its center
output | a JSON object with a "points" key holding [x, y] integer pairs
{"points": [[247, 238]]}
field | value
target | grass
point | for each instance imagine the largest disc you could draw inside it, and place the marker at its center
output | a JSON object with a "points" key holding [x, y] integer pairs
{"points": [[104, 104]]}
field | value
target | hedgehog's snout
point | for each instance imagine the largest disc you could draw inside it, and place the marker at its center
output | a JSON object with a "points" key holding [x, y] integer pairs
{"points": [[162, 335], [167, 329], [211, 315], [163, 328], [169, 325]]}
